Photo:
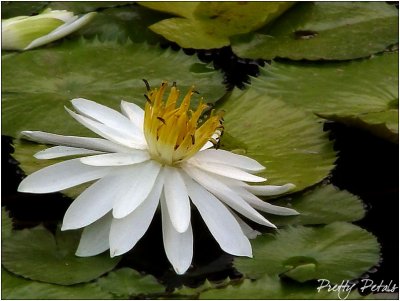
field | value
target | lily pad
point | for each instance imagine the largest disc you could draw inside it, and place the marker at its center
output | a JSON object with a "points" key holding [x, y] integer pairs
{"points": [[268, 288], [15, 287], [324, 30], [335, 252], [361, 93], [38, 255], [383, 124], [6, 224], [11, 9], [80, 7], [209, 25], [182, 9], [287, 141], [193, 293], [34, 94], [128, 283], [322, 205], [341, 88], [123, 23]]}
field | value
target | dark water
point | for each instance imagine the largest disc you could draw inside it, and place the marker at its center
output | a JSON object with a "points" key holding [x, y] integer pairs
{"points": [[366, 166]]}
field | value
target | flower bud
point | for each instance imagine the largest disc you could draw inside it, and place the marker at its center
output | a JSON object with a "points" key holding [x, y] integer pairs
{"points": [[24, 32]]}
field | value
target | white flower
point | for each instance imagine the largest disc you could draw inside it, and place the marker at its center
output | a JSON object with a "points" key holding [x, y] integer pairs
{"points": [[162, 155], [27, 32]]}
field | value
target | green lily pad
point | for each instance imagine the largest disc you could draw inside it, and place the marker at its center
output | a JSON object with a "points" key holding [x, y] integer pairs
{"points": [[183, 9], [38, 255], [322, 205], [123, 23], [272, 288], [80, 7], [11, 9], [188, 34], [14, 287], [209, 25], [335, 252], [287, 141], [361, 93], [127, 283], [6, 224], [193, 293], [34, 94], [341, 88], [383, 124], [324, 30]]}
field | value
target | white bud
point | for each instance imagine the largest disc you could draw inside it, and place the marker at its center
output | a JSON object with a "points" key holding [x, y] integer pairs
{"points": [[23, 32]]}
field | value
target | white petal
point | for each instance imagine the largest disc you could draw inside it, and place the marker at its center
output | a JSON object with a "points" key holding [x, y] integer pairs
{"points": [[134, 113], [107, 132], [61, 31], [73, 141], [225, 194], [227, 158], [178, 246], [117, 159], [259, 204], [226, 171], [177, 199], [246, 229], [94, 202], [139, 180], [107, 116], [222, 225], [269, 190], [63, 151], [207, 146], [94, 239], [61, 176], [126, 232]]}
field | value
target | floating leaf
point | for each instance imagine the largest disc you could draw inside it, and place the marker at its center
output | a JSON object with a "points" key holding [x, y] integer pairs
{"points": [[183, 9], [6, 224], [324, 30], [188, 34], [127, 282], [342, 88], [383, 124], [268, 288], [123, 23], [209, 25], [207, 285], [11, 9], [335, 252], [14, 287], [299, 152], [322, 205], [80, 7], [34, 94], [38, 255], [359, 93]]}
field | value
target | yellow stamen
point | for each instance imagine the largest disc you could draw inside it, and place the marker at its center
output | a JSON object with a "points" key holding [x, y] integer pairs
{"points": [[172, 132]]}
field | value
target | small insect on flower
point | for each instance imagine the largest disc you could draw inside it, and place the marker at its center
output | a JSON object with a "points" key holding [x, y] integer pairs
{"points": [[162, 155]]}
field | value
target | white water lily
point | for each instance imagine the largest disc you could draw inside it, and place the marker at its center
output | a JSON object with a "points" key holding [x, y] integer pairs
{"points": [[162, 155], [27, 32]]}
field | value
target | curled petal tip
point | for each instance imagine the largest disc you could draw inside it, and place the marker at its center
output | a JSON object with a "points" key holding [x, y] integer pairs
{"points": [[64, 227], [295, 212], [290, 186]]}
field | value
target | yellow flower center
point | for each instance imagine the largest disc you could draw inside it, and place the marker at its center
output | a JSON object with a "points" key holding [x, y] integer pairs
{"points": [[174, 133]]}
